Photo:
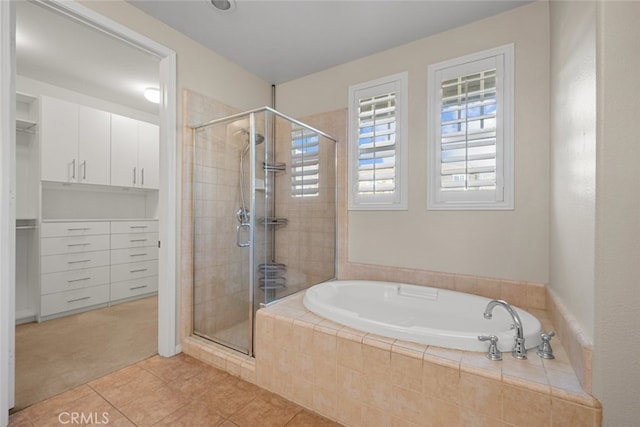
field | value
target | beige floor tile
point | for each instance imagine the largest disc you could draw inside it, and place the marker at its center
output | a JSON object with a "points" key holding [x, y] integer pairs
{"points": [[196, 413], [309, 419], [150, 407], [266, 410], [126, 388]]}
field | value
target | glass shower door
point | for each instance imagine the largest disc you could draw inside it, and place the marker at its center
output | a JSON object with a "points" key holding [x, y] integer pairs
{"points": [[222, 295]]}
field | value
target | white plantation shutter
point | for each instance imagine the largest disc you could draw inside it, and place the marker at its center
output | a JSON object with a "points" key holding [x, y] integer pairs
{"points": [[305, 162], [470, 132], [377, 161], [377, 145]]}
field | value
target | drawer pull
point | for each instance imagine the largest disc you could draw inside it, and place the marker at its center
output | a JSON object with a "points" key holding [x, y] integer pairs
{"points": [[78, 244], [138, 226], [143, 254], [78, 299], [138, 240], [78, 280], [138, 270], [137, 287], [78, 261], [79, 229]]}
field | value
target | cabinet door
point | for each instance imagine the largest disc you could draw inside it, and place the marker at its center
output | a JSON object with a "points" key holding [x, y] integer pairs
{"points": [[148, 155], [58, 140], [94, 146], [124, 151]]}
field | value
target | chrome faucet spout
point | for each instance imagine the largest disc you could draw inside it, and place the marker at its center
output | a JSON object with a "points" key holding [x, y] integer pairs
{"points": [[519, 349]]}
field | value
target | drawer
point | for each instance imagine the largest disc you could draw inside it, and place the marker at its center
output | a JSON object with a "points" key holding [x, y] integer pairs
{"points": [[121, 227], [132, 288], [133, 270], [133, 240], [75, 261], [68, 245], [72, 300], [77, 279], [122, 256], [64, 229]]}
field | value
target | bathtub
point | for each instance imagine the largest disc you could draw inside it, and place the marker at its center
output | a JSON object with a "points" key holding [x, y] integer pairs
{"points": [[421, 314]]}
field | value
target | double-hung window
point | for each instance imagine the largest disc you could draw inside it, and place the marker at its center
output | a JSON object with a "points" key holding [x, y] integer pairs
{"points": [[378, 144], [470, 136]]}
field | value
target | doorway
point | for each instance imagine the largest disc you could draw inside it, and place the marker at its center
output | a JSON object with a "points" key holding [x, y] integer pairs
{"points": [[167, 342]]}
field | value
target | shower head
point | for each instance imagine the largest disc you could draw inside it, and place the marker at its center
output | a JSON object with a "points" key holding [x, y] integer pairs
{"points": [[245, 132]]}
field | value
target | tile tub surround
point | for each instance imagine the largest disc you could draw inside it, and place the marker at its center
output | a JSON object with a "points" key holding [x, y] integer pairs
{"points": [[361, 379]]}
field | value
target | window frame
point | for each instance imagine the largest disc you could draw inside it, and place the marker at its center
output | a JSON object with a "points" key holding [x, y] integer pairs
{"points": [[502, 58], [398, 200]]}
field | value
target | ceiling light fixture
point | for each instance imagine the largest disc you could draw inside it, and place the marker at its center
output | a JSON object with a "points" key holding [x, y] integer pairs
{"points": [[223, 5], [152, 94]]}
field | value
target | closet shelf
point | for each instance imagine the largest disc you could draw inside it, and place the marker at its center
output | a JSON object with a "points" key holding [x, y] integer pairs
{"points": [[25, 224]]}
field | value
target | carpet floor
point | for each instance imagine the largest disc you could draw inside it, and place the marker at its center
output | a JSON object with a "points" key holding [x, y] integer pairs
{"points": [[60, 354]]}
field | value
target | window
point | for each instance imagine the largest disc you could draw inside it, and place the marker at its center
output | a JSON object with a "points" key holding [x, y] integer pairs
{"points": [[305, 162], [470, 137], [378, 144]]}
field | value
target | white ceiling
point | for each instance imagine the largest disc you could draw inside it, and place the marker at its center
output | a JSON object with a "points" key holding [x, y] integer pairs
{"points": [[277, 40], [281, 40], [61, 51]]}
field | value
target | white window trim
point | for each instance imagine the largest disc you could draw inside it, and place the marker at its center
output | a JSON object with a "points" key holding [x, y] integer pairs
{"points": [[505, 135], [399, 201]]}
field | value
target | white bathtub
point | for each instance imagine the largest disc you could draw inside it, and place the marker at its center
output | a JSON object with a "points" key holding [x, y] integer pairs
{"points": [[420, 314]]}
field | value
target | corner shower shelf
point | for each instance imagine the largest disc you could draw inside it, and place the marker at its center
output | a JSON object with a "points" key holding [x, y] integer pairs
{"points": [[274, 167]]}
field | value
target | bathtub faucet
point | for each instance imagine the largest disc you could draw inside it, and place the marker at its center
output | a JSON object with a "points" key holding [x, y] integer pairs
{"points": [[519, 350]]}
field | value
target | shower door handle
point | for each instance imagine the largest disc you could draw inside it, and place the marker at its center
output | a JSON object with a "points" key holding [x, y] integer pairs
{"points": [[239, 230]]}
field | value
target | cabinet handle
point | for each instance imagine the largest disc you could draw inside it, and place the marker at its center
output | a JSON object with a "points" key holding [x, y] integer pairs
{"points": [[134, 175], [79, 229], [138, 270], [138, 254], [137, 287], [138, 226], [138, 240], [84, 170], [78, 244], [78, 280], [76, 262], [73, 169], [78, 299], [142, 183]]}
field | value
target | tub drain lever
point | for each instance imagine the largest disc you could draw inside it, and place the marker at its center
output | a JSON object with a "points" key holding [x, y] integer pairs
{"points": [[493, 353], [544, 350]]}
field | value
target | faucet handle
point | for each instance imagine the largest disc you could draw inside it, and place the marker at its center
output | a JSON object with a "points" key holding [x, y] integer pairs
{"points": [[494, 353], [544, 350]]}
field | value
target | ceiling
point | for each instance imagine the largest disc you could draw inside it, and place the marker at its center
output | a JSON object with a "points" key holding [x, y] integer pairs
{"points": [[277, 40], [56, 49], [281, 40]]}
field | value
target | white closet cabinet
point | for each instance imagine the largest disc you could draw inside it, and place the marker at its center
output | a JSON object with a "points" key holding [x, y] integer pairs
{"points": [[59, 140], [134, 153], [94, 146], [74, 143]]}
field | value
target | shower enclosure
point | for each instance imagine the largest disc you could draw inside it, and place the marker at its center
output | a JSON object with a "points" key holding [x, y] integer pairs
{"points": [[264, 218]]}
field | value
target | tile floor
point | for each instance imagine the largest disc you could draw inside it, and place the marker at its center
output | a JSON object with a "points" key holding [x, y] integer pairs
{"points": [[176, 391]]}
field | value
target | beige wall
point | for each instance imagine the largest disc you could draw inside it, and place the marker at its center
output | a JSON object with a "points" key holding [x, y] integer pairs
{"points": [[501, 244], [573, 157], [616, 365]]}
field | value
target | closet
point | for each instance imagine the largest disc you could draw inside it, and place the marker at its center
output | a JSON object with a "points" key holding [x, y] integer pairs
{"points": [[87, 231]]}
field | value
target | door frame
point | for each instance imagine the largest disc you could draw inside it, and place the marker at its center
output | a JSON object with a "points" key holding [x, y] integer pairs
{"points": [[168, 340]]}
